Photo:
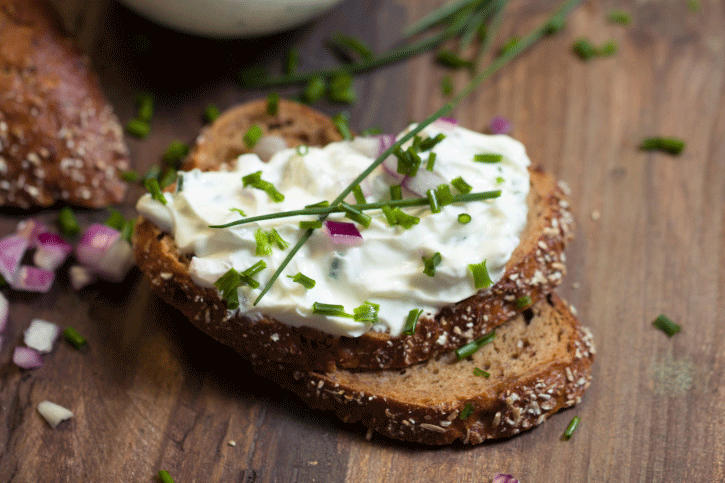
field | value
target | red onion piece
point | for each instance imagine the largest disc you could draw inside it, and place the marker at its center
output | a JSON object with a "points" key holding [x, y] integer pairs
{"points": [[52, 251], [81, 276], [33, 279], [501, 478], [27, 358], [423, 181], [12, 249], [446, 123], [499, 125], [30, 229], [384, 142], [342, 233], [41, 335], [4, 312], [390, 166], [95, 243]]}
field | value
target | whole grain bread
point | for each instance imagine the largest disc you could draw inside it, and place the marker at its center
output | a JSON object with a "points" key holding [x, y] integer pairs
{"points": [[539, 362], [534, 270], [59, 137]]}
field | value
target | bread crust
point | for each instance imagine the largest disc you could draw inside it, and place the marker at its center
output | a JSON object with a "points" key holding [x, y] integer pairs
{"points": [[59, 137], [539, 363]]}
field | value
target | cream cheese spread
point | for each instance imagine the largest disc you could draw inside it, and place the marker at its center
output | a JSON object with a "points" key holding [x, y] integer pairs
{"points": [[387, 268]]}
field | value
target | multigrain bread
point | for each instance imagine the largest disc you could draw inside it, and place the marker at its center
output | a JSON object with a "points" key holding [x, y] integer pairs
{"points": [[534, 270], [539, 363], [59, 138]]}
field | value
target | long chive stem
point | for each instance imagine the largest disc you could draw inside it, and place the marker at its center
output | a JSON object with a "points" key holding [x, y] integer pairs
{"points": [[436, 17], [491, 31], [497, 63]]}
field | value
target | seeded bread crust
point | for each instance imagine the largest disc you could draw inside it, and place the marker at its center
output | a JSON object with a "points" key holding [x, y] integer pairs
{"points": [[539, 363], [535, 269], [59, 138]]}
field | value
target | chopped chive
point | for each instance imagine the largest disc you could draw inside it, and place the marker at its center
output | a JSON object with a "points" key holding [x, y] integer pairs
{"points": [[314, 90], [480, 373], [255, 269], [341, 89], [608, 49], [584, 49], [175, 152], [461, 185], [238, 210], [211, 113], [693, 5], [255, 181], [488, 158], [396, 192], [293, 58], [448, 59], [347, 43], [570, 429], [433, 201], [667, 145], [144, 106], [341, 122], [179, 182], [129, 176], [666, 325], [429, 143], [555, 25], [473, 346], [329, 309], [310, 225], [523, 302], [252, 136], [355, 214], [277, 239], [165, 477], [153, 173], [168, 178], [227, 285], [481, 278], [253, 76], [466, 411], [367, 313], [619, 16], [303, 280], [67, 222], [509, 44], [371, 131], [74, 338], [358, 194], [447, 85], [115, 220], [389, 215], [127, 231], [273, 103], [412, 321], [302, 149], [499, 179], [321, 204], [152, 186], [430, 165], [464, 218], [138, 128], [395, 216], [445, 197], [264, 248], [431, 263]]}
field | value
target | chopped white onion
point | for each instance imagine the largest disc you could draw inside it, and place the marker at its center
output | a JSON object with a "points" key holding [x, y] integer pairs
{"points": [[12, 249], [52, 251], [41, 335], [33, 279], [423, 181], [268, 146], [117, 261], [53, 413], [27, 358], [4, 312], [81, 276], [369, 146], [105, 252]]}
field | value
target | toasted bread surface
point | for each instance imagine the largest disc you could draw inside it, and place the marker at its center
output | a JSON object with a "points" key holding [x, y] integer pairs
{"points": [[539, 362], [59, 138]]}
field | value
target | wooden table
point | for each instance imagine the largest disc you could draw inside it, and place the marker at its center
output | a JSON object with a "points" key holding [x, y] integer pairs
{"points": [[153, 393]]}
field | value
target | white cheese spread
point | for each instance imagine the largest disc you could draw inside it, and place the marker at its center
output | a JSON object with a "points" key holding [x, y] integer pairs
{"points": [[387, 268]]}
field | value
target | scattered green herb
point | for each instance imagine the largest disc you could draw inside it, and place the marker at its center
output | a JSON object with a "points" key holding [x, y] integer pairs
{"points": [[666, 325], [255, 181], [273, 103], [311, 225], [175, 153], [315, 89], [431, 263], [348, 44], [303, 280], [396, 192], [330, 310], [447, 85], [461, 185], [252, 136], [341, 89], [693, 5], [464, 218], [619, 16], [211, 113], [341, 122], [227, 285], [430, 164], [129, 176], [466, 411], [523, 301], [367, 313], [570, 429], [453, 61], [67, 222], [480, 275], [472, 347], [412, 321], [138, 128], [480, 373], [152, 186], [264, 248], [74, 338], [488, 158], [666, 145], [585, 49], [165, 477], [358, 194]]}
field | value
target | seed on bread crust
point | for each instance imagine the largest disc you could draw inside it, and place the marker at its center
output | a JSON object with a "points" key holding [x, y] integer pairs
{"points": [[59, 138]]}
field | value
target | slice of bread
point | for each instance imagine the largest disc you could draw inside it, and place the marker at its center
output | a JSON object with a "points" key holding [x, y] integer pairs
{"points": [[539, 362], [59, 138], [534, 270]]}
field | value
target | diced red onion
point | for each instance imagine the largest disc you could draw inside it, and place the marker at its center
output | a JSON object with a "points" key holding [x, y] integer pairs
{"points": [[4, 311], [33, 279], [390, 166], [12, 249], [342, 233], [41, 335], [384, 142], [52, 251], [53, 413], [81, 276], [423, 181], [499, 125], [27, 358], [30, 229], [105, 252], [268, 146], [501, 478], [446, 123]]}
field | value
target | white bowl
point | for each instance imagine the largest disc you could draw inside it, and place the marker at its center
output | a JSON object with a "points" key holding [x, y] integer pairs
{"points": [[230, 18]]}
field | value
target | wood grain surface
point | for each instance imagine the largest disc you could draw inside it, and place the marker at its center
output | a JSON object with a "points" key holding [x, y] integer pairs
{"points": [[153, 393]]}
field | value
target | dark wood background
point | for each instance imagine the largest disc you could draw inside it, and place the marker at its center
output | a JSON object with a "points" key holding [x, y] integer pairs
{"points": [[153, 393]]}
